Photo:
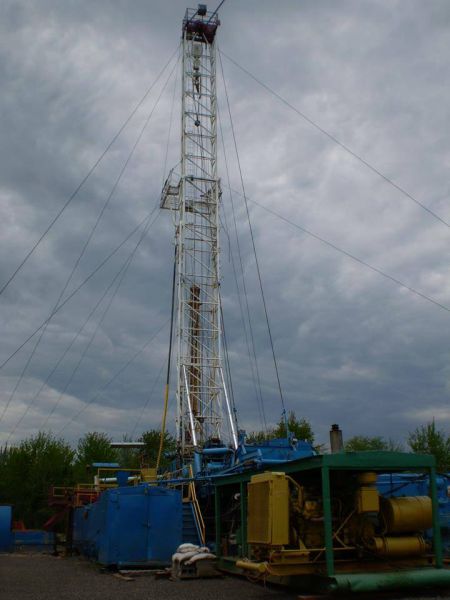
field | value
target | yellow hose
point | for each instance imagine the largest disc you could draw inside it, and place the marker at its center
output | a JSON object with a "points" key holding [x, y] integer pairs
{"points": [[163, 426]]}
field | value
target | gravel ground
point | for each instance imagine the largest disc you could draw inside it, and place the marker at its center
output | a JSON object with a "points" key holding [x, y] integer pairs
{"points": [[44, 577]]}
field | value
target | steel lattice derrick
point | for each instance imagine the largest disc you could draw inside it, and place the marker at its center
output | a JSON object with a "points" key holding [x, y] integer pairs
{"points": [[194, 197]]}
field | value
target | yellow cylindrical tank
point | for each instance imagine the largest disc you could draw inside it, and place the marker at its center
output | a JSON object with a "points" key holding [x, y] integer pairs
{"points": [[410, 545], [407, 514]]}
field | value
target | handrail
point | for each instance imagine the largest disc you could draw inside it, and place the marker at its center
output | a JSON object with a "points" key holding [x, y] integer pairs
{"points": [[196, 506]]}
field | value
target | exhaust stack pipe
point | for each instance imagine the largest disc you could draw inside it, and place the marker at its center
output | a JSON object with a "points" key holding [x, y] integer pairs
{"points": [[336, 441]]}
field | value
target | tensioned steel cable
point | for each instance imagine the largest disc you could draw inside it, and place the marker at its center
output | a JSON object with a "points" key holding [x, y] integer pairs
{"points": [[84, 352], [169, 131], [121, 271], [169, 359], [74, 339], [149, 398], [334, 139], [115, 376], [61, 358], [164, 174], [121, 275], [254, 368], [216, 10], [78, 288], [349, 254], [353, 257], [87, 176], [89, 238], [269, 330], [228, 367]]}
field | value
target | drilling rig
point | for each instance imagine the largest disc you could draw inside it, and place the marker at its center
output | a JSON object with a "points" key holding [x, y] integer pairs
{"points": [[193, 195]]}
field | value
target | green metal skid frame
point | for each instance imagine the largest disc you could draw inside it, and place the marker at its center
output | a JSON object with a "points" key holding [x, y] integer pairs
{"points": [[344, 461]]}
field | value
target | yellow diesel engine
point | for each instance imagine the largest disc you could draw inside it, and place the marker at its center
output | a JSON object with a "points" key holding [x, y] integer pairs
{"points": [[286, 519]]}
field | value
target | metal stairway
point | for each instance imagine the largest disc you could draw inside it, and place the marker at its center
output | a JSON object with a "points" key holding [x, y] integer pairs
{"points": [[191, 532]]}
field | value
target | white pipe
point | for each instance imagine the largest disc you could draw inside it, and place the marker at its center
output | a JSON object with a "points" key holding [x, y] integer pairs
{"points": [[127, 444], [114, 479], [230, 415], [191, 416]]}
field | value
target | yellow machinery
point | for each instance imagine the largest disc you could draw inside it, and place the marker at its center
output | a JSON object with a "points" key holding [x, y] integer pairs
{"points": [[367, 498], [268, 509], [285, 521], [406, 514], [322, 521]]}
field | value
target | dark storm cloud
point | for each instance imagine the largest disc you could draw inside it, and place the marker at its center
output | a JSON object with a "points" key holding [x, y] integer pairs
{"points": [[352, 346]]}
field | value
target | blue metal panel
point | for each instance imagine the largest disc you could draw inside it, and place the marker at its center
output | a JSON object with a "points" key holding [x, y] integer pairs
{"points": [[35, 539], [6, 539], [123, 539], [271, 452], [80, 516], [165, 524], [132, 525]]}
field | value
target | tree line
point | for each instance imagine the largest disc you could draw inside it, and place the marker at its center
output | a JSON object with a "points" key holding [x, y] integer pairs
{"points": [[426, 439], [30, 468]]}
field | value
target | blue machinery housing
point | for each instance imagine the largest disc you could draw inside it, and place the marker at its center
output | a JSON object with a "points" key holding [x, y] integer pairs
{"points": [[138, 525]]}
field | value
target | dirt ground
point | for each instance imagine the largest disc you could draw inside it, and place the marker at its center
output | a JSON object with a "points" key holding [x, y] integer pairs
{"points": [[44, 577]]}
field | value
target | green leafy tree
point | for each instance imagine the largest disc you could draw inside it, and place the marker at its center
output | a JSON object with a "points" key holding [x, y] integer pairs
{"points": [[301, 428], [363, 443], [129, 458], [151, 439], [92, 447], [426, 439], [256, 437], [28, 470]]}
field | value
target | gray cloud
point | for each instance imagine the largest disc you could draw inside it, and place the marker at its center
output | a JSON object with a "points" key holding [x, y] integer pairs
{"points": [[352, 347]]}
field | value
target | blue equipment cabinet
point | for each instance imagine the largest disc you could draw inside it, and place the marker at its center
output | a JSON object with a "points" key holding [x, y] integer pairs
{"points": [[139, 525], [6, 539]]}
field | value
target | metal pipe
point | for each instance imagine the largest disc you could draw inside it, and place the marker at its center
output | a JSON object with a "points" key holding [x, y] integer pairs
{"points": [[191, 416], [377, 582], [252, 566], [230, 416], [114, 479], [216, 451], [127, 444], [336, 441]]}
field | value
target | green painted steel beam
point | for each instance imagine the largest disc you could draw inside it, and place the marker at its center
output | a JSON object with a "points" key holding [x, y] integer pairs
{"points": [[373, 461], [218, 520], [327, 521], [437, 539], [243, 491], [399, 580]]}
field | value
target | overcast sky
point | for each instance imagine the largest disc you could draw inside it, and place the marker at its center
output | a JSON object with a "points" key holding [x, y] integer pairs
{"points": [[353, 347]]}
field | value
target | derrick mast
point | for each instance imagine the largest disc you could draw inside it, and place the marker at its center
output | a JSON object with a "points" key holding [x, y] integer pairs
{"points": [[193, 195]]}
